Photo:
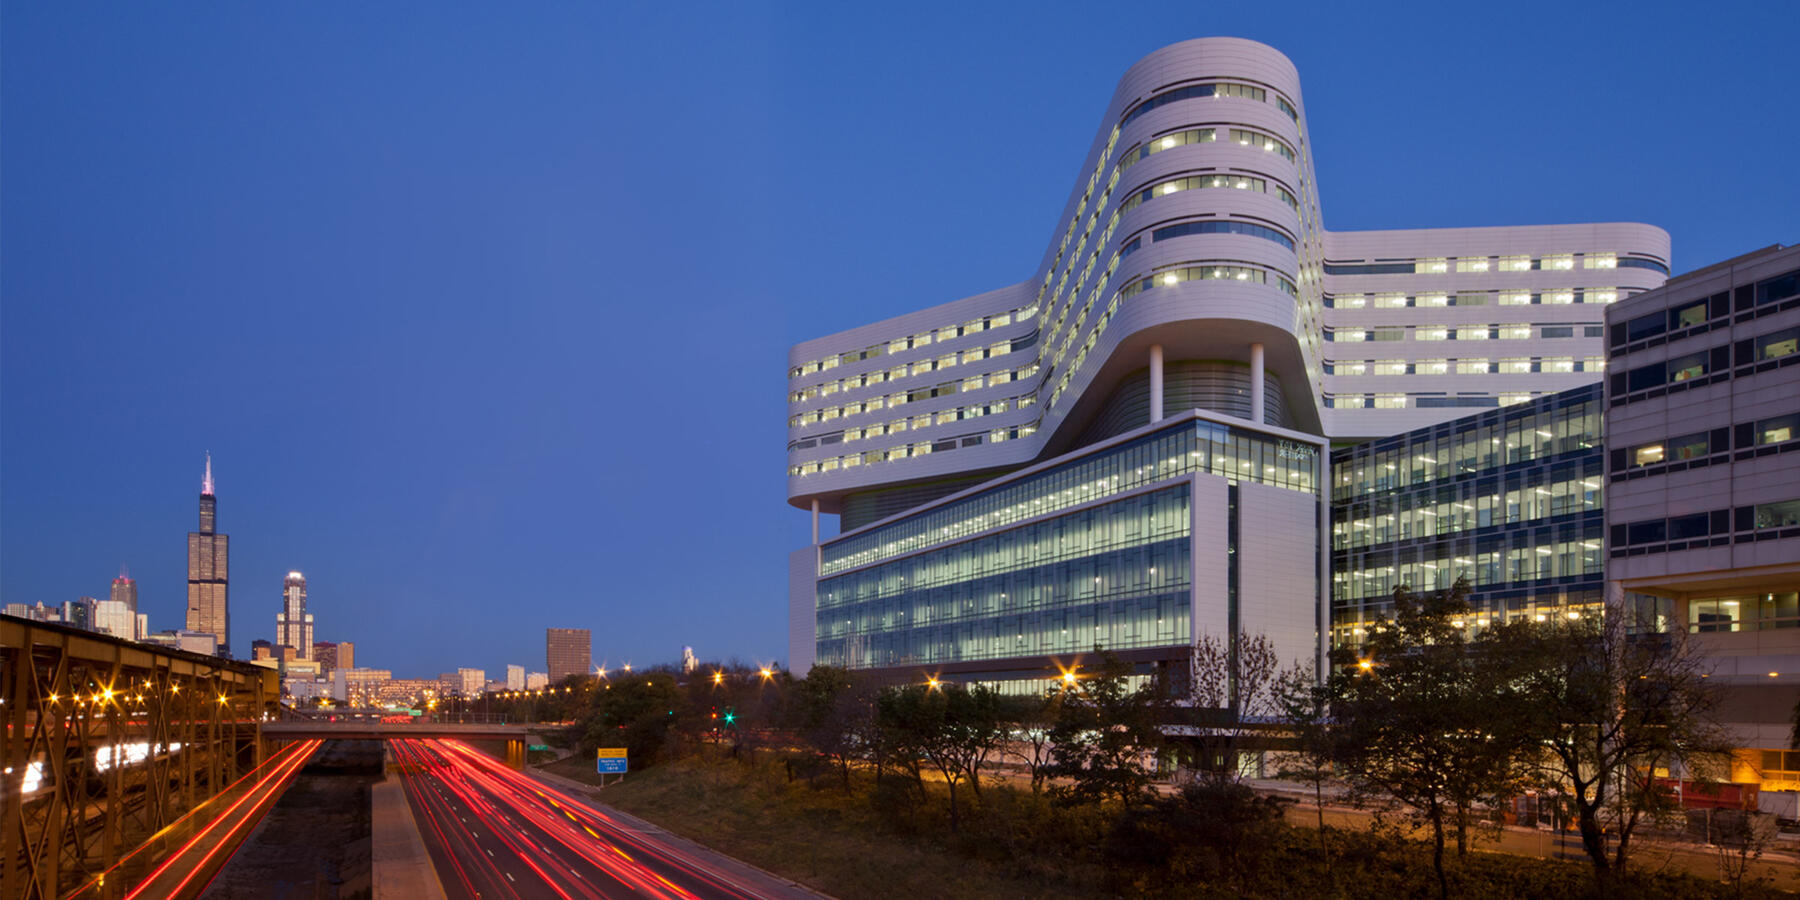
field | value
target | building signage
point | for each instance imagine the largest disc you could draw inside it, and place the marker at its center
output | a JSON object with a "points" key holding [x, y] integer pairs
{"points": [[1294, 450], [610, 761]]}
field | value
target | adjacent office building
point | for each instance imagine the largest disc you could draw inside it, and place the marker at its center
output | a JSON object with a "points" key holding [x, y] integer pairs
{"points": [[1703, 487], [568, 651], [1130, 448], [294, 625], [208, 587]]}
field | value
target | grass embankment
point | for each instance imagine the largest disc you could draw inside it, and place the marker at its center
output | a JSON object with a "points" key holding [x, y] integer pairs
{"points": [[817, 835], [884, 842]]}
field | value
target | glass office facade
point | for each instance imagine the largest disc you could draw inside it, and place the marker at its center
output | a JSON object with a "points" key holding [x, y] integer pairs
{"points": [[1093, 552], [1510, 499]]}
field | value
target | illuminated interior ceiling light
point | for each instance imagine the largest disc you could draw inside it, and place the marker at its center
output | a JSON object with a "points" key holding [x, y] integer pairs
{"points": [[1168, 142]]}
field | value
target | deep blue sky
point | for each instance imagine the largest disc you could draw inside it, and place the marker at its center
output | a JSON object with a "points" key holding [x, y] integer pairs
{"points": [[484, 311]]}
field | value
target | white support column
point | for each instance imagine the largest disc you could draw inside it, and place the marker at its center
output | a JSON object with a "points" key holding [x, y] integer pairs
{"points": [[815, 517], [1256, 383], [1156, 383]]}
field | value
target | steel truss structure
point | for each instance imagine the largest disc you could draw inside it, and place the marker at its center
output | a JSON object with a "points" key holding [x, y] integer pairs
{"points": [[105, 743]]}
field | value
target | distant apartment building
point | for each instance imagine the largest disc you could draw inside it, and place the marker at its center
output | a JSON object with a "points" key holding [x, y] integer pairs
{"points": [[294, 625], [80, 613], [334, 655], [471, 682], [568, 651], [1703, 487], [515, 678], [536, 680], [115, 618], [359, 687]]}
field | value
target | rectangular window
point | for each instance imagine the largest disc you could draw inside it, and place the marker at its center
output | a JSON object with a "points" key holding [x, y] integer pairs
{"points": [[1433, 265], [1431, 367], [1778, 515], [1432, 300], [1431, 333], [1520, 333], [1348, 301], [1778, 344], [1689, 446], [1515, 366], [1648, 454], [1652, 532], [1600, 261], [1558, 365], [1515, 263], [1778, 430], [1389, 301], [1471, 367], [1472, 264], [1687, 316], [1390, 401], [1472, 333], [1390, 367], [1515, 298], [1387, 334], [1780, 287], [1687, 367], [1558, 263], [1646, 326], [1559, 298]]}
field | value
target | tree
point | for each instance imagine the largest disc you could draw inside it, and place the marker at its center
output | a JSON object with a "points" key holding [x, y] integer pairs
{"points": [[1108, 734], [1232, 685], [1303, 705], [1429, 719], [952, 727], [829, 708], [1611, 704], [1032, 717]]}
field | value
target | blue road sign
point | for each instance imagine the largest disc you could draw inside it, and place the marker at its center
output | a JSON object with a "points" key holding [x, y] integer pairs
{"points": [[610, 761]]}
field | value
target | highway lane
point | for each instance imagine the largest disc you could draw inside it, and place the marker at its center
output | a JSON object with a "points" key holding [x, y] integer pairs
{"points": [[496, 833], [186, 871]]}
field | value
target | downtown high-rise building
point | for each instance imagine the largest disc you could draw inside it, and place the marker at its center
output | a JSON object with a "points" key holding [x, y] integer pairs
{"points": [[294, 625], [124, 590], [332, 655], [567, 651], [208, 595]]}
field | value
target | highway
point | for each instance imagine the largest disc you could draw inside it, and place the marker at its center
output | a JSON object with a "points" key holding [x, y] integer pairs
{"points": [[495, 833], [214, 830]]}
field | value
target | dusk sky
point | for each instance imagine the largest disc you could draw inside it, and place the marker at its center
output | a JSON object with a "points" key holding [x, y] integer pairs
{"points": [[483, 311]]}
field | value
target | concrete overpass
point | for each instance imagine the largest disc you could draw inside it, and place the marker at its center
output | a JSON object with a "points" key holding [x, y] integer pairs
{"points": [[374, 729]]}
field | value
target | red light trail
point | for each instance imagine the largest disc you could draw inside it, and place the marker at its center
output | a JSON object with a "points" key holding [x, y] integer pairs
{"points": [[478, 816]]}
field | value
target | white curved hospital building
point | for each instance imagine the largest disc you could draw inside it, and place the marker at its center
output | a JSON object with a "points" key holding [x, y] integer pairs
{"points": [[1126, 449]]}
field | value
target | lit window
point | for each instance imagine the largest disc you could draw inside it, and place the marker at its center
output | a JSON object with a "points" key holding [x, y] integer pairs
{"points": [[1349, 301], [1431, 333], [1431, 367], [1558, 365], [1515, 263], [1471, 367], [1432, 300], [1432, 265], [1559, 298], [1563, 262], [1390, 401], [1515, 332], [1472, 333], [1594, 364], [1510, 399], [1600, 261], [1600, 296], [1474, 264], [1515, 298], [1352, 335], [1390, 301], [1390, 367], [1351, 368], [1514, 366]]}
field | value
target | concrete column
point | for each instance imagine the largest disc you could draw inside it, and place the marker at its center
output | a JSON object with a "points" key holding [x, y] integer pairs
{"points": [[815, 518], [1156, 383], [1256, 383]]}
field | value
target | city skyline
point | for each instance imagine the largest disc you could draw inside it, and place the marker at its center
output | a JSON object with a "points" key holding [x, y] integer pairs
{"points": [[544, 505]]}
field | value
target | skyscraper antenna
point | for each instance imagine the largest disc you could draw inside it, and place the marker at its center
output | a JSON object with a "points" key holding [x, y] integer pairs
{"points": [[206, 484]]}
